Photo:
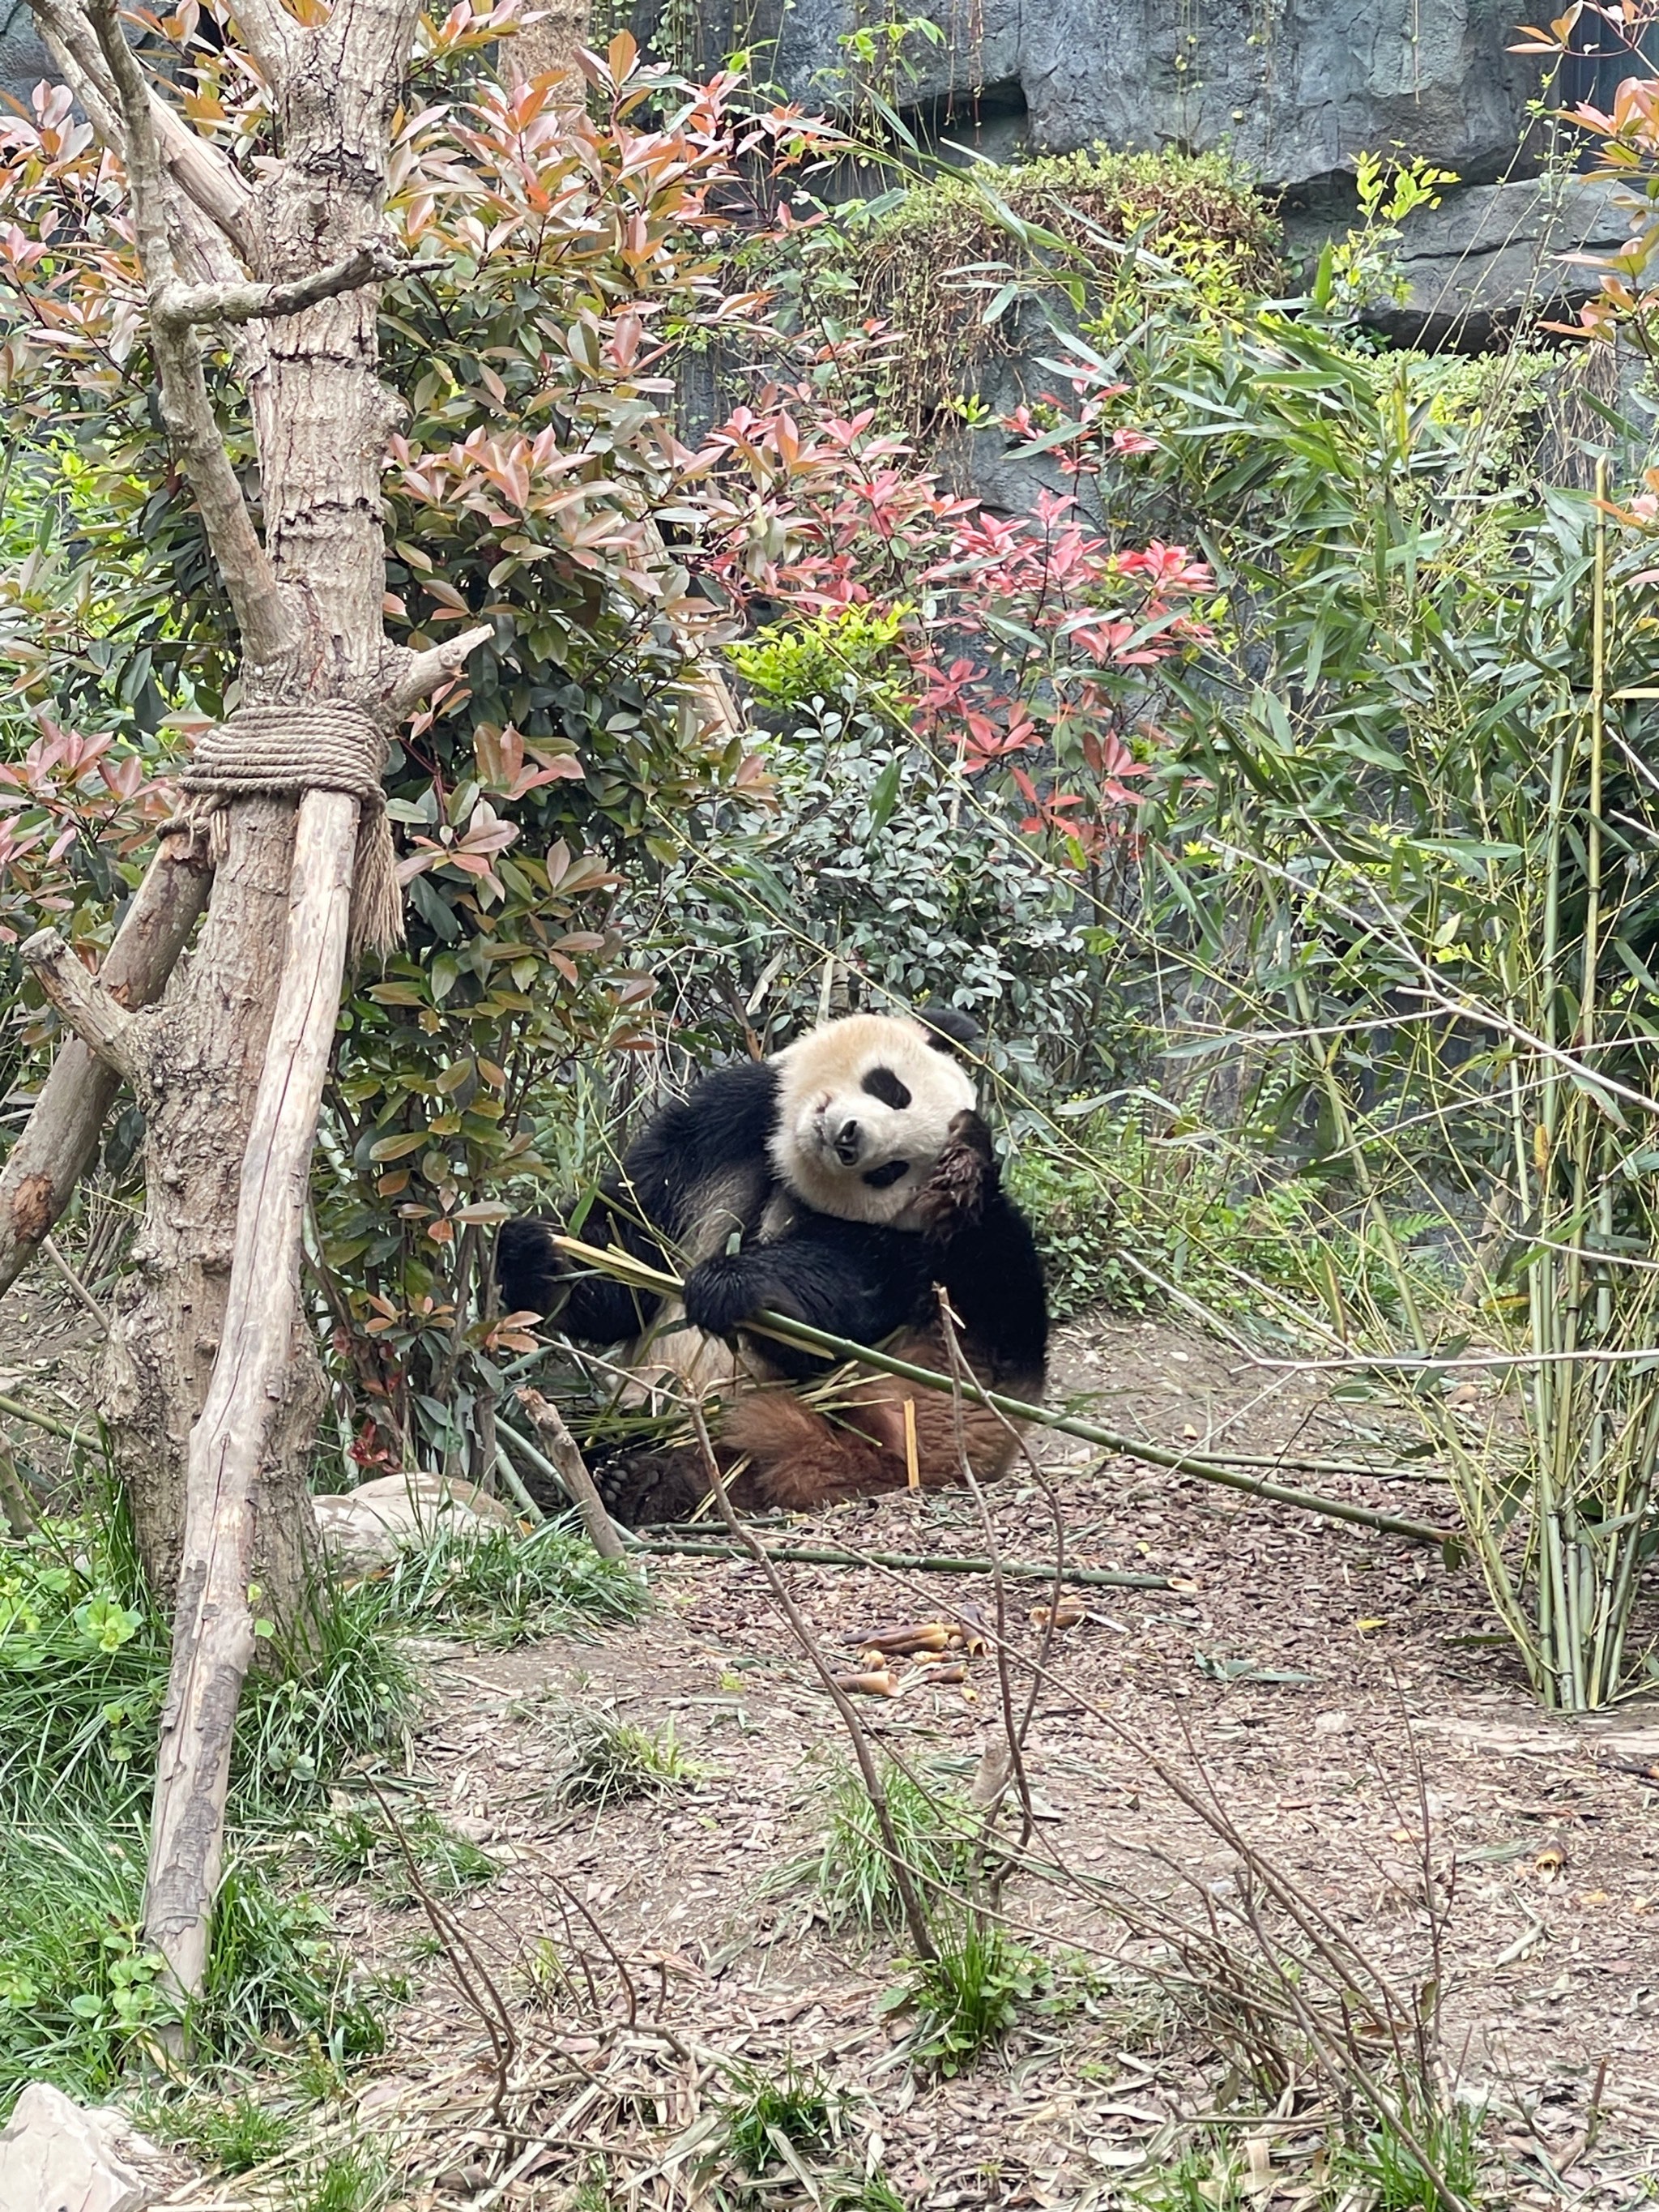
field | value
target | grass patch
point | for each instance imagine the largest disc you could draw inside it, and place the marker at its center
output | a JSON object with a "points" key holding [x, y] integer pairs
{"points": [[850, 1871], [81, 1994], [610, 1760], [504, 1586], [351, 2180], [971, 1996], [779, 2120], [1397, 2180], [235, 2134], [359, 1846]]}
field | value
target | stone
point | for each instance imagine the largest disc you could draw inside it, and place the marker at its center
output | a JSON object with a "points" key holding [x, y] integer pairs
{"points": [[364, 1528], [60, 2156], [1492, 255], [23, 60], [1293, 88]]}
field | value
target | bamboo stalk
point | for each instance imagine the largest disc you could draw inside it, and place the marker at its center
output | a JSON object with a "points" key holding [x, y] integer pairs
{"points": [[629, 1270], [52, 1426], [920, 1563]]}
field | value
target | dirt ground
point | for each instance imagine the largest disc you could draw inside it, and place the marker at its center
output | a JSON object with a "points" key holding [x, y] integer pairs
{"points": [[1329, 1685]]}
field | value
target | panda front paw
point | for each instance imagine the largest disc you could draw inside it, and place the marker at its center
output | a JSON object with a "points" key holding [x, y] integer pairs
{"points": [[719, 1294]]}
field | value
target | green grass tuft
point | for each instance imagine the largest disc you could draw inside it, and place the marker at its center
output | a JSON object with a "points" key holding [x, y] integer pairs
{"points": [[798, 2108], [851, 1871], [612, 1759], [971, 1996], [354, 2180], [504, 1586], [358, 1846], [234, 2134]]}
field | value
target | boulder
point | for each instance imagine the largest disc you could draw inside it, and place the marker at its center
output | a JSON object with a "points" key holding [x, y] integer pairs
{"points": [[1493, 256], [364, 1528], [60, 2156], [1294, 89]]}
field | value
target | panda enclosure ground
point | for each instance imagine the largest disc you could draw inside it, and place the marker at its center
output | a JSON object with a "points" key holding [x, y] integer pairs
{"points": [[1305, 1670]]}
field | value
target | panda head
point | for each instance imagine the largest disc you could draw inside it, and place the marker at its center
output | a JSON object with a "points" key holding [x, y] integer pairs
{"points": [[865, 1108]]}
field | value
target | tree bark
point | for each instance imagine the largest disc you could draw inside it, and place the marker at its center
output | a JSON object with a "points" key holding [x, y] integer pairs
{"points": [[234, 1443], [60, 1138]]}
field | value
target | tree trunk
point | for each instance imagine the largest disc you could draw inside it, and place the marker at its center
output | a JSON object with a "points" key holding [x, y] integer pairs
{"points": [[60, 1138]]}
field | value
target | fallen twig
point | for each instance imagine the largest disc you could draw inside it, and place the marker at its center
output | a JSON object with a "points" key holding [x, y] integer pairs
{"points": [[823, 1555]]}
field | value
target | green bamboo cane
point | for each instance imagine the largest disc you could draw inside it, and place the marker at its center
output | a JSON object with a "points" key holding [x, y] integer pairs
{"points": [[627, 1269]]}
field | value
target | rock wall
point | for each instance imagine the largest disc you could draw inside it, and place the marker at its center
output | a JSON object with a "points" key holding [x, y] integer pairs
{"points": [[1295, 88]]}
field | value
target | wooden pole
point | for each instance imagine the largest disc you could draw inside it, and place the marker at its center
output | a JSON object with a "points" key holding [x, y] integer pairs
{"points": [[214, 1631], [60, 1138], [571, 1468]]}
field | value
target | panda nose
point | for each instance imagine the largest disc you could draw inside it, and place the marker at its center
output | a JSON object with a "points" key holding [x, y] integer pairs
{"points": [[849, 1139]]}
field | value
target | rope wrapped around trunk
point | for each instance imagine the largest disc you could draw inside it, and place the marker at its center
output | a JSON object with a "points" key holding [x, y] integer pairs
{"points": [[318, 745]]}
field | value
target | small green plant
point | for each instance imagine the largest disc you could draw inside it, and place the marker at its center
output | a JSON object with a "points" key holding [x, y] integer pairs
{"points": [[235, 2134], [351, 2180], [1399, 2181], [357, 1846], [851, 1870], [786, 665], [345, 1687], [968, 1996], [769, 2117], [610, 1760], [81, 1992], [1205, 2178], [507, 1586]]}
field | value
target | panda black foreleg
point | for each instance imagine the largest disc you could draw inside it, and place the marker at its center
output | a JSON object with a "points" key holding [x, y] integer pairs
{"points": [[534, 1277], [850, 1279]]}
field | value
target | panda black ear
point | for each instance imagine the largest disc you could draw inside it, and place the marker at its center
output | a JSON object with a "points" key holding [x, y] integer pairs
{"points": [[948, 1027]]}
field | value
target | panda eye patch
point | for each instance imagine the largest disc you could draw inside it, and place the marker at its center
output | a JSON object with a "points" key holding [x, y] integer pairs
{"points": [[880, 1178], [882, 1083]]}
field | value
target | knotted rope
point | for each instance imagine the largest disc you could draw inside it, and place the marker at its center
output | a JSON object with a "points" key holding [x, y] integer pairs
{"points": [[320, 745]]}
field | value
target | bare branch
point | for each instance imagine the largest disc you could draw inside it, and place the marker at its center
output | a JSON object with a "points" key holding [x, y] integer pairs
{"points": [[248, 577], [98, 1019], [201, 173], [426, 671], [182, 306]]}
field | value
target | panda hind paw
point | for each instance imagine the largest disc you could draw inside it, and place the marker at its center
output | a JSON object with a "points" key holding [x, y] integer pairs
{"points": [[644, 1489]]}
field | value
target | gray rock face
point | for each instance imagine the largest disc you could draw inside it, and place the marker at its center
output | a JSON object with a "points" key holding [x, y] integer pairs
{"points": [[1295, 88], [1488, 256], [23, 59]]}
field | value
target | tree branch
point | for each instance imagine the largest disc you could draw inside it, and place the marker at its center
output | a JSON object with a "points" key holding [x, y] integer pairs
{"points": [[241, 559], [182, 306], [200, 171], [427, 670], [99, 1020]]}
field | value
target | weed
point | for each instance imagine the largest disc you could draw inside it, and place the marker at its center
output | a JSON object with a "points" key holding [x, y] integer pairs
{"points": [[770, 2117], [851, 1870], [346, 1688], [235, 2135], [610, 1759], [873, 2192], [81, 1992], [505, 1586], [358, 1846], [1395, 2178], [969, 1997], [1202, 2179], [349, 2180]]}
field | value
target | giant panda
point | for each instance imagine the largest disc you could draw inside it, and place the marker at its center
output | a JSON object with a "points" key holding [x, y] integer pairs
{"points": [[844, 1181]]}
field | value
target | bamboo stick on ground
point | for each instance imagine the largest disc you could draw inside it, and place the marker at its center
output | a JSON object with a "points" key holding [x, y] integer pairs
{"points": [[629, 1270], [921, 1563]]}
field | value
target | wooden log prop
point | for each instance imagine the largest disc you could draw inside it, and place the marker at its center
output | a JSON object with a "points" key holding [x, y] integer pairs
{"points": [[214, 1631], [60, 1141]]}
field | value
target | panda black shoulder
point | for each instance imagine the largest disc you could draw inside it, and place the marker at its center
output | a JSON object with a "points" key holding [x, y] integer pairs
{"points": [[728, 1117]]}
